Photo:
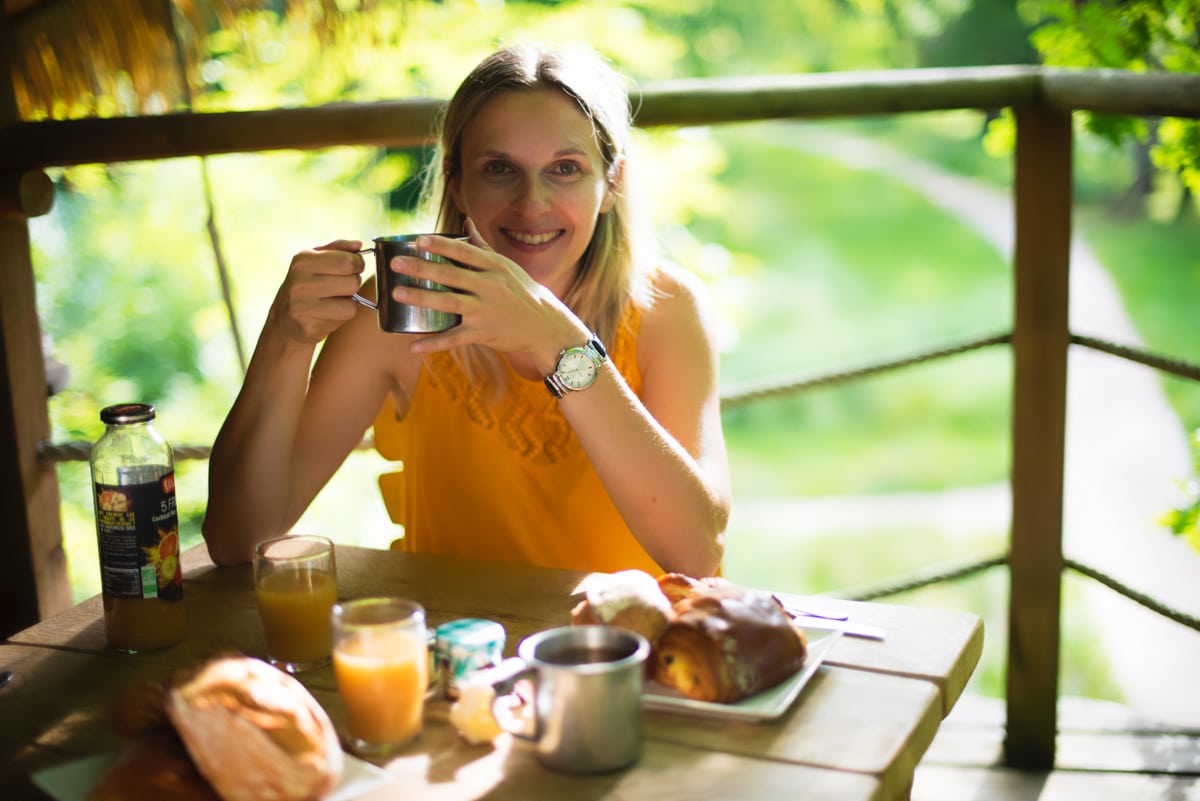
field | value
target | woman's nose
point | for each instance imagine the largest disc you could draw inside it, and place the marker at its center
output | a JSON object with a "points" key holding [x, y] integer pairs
{"points": [[533, 197]]}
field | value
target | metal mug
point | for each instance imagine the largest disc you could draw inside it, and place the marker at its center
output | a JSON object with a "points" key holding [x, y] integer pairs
{"points": [[401, 318], [586, 713]]}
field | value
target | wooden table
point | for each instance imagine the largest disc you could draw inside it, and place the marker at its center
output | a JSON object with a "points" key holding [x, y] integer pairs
{"points": [[857, 730]]}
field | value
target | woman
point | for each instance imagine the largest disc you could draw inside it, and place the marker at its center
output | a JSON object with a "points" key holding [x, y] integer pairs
{"points": [[626, 470]]}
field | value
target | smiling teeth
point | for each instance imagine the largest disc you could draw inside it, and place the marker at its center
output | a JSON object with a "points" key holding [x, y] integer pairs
{"points": [[533, 239]]}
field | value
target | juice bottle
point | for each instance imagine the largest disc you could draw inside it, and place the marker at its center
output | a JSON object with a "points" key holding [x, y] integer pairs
{"points": [[137, 528]]}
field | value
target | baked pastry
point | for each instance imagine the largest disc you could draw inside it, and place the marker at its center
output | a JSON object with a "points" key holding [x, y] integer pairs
{"points": [[236, 729], [255, 732], [630, 599], [677, 586], [153, 769], [727, 642]]}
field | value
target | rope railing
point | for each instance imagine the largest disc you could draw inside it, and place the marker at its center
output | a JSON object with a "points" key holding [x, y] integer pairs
{"points": [[926, 578], [920, 579], [743, 397], [1182, 618], [77, 451], [1166, 364]]}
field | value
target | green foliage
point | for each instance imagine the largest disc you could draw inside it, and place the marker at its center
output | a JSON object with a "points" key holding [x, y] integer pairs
{"points": [[986, 32], [1185, 520], [1137, 35]]}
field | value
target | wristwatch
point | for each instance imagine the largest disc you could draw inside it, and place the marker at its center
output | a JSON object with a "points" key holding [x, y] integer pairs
{"points": [[578, 368]]}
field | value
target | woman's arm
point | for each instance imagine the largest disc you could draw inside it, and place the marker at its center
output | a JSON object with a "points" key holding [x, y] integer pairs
{"points": [[662, 458], [288, 431]]}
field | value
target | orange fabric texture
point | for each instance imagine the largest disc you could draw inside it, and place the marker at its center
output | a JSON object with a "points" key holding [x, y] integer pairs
{"points": [[507, 482]]}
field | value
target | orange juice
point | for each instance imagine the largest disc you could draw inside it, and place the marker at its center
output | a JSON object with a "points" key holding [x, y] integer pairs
{"points": [[381, 678], [294, 606], [143, 624]]}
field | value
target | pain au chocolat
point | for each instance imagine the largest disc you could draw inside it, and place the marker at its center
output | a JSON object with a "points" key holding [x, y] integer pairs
{"points": [[727, 642], [710, 639]]}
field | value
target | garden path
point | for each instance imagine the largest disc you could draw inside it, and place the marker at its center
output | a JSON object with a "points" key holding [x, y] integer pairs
{"points": [[1126, 452]]}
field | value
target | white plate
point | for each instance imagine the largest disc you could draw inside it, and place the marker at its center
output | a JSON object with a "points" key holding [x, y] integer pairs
{"points": [[766, 705], [71, 782]]}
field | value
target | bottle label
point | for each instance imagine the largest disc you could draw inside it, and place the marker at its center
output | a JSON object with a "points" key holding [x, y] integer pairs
{"points": [[138, 530]]}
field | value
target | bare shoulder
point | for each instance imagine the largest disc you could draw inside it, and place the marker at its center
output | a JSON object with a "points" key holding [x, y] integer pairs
{"points": [[679, 319]]}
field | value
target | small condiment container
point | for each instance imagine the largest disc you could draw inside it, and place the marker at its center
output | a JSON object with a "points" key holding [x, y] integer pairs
{"points": [[463, 647]]}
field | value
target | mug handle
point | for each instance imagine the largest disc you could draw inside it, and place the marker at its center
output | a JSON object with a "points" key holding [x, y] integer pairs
{"points": [[503, 679], [370, 304]]}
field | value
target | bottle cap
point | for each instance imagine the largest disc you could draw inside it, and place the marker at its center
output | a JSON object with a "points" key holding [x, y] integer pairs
{"points": [[127, 413]]}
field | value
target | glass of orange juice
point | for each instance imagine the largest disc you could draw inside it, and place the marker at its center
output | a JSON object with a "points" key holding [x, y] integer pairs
{"points": [[381, 662], [295, 583]]}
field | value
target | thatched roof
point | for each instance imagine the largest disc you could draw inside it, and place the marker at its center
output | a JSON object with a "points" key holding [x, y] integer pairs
{"points": [[73, 58]]}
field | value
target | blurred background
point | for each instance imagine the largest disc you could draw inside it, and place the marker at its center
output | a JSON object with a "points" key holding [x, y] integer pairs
{"points": [[827, 246]]}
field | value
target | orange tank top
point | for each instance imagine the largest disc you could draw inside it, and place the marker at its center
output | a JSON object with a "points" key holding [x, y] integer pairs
{"points": [[504, 481]]}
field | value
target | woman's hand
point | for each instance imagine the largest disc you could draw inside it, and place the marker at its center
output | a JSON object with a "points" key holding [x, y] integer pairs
{"points": [[315, 298], [500, 305]]}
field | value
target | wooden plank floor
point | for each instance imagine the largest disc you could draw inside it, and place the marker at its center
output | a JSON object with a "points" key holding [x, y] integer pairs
{"points": [[1104, 754]]}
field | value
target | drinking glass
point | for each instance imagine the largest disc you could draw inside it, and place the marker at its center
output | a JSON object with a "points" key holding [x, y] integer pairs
{"points": [[381, 662], [295, 583]]}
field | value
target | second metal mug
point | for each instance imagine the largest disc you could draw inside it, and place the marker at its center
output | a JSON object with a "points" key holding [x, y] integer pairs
{"points": [[587, 704], [401, 318]]}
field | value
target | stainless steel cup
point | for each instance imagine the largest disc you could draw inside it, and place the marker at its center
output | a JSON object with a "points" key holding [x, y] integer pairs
{"points": [[401, 318], [587, 699]]}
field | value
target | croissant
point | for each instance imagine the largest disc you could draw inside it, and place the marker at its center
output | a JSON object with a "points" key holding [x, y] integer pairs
{"points": [[727, 642]]}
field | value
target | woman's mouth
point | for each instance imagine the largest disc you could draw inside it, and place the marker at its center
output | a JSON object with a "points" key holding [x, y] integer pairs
{"points": [[532, 238]]}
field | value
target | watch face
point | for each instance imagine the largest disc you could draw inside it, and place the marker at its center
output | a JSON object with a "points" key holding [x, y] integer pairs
{"points": [[576, 368]]}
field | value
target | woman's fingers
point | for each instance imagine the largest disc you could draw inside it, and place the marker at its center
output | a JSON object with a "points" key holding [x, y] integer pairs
{"points": [[350, 245], [316, 297]]}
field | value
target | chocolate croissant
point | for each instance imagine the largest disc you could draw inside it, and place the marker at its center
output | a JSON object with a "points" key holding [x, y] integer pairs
{"points": [[727, 642]]}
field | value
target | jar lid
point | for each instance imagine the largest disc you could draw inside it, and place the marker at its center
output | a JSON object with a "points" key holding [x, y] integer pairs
{"points": [[471, 633], [123, 413]]}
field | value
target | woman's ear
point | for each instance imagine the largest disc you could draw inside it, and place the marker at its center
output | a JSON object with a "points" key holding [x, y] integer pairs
{"points": [[616, 178]]}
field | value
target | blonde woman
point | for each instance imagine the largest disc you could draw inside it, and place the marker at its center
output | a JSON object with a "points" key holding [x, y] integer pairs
{"points": [[508, 453]]}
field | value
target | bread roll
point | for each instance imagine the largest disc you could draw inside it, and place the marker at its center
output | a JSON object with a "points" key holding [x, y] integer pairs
{"points": [[725, 643], [255, 733], [630, 599]]}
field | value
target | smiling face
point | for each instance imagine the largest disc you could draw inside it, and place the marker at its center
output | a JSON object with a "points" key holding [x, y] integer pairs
{"points": [[533, 181]]}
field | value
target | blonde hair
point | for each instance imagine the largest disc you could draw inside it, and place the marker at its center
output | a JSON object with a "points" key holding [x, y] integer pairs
{"points": [[616, 265]]}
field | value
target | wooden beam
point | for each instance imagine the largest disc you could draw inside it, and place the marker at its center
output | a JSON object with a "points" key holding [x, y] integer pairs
{"points": [[401, 123], [26, 194], [705, 101], [404, 123], [1043, 194], [33, 573], [1143, 94]]}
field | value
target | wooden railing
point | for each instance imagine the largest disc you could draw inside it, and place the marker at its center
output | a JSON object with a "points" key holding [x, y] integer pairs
{"points": [[34, 576]]}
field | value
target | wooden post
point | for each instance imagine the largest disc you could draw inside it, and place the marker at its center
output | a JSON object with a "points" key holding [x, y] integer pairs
{"points": [[33, 572], [1043, 190]]}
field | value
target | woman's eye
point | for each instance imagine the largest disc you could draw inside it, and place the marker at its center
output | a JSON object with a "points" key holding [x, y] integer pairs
{"points": [[567, 168], [497, 168]]}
